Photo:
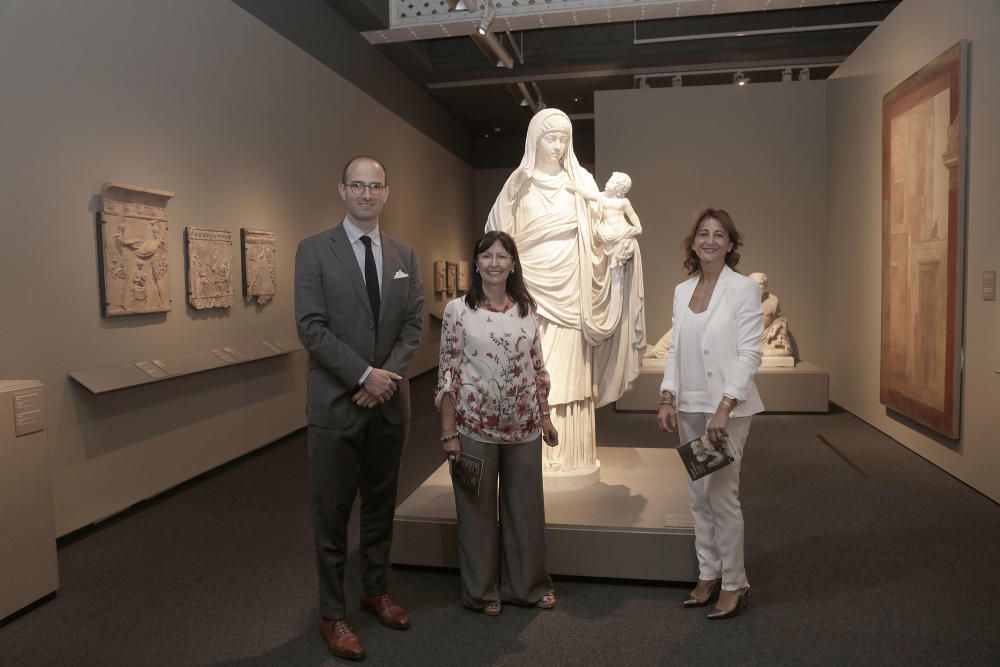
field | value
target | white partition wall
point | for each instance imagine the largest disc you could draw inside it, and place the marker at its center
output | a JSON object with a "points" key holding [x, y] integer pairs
{"points": [[915, 33], [759, 152]]}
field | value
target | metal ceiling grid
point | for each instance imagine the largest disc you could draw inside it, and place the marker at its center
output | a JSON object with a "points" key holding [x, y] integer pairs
{"points": [[433, 19]]}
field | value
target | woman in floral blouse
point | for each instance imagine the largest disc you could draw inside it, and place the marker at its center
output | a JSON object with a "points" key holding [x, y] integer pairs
{"points": [[493, 395]]}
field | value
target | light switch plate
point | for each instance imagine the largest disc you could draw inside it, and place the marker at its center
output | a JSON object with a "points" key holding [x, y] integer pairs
{"points": [[989, 285]]}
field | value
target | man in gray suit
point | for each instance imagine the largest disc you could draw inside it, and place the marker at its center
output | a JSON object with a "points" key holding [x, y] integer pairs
{"points": [[359, 306]]}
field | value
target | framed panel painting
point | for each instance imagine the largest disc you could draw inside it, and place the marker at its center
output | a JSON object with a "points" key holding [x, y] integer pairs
{"points": [[924, 164]]}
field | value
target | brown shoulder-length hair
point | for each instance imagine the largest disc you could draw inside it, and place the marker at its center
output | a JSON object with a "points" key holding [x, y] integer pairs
{"points": [[691, 262], [516, 289]]}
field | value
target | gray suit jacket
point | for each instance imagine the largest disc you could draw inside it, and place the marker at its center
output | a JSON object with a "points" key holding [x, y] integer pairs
{"points": [[336, 326]]}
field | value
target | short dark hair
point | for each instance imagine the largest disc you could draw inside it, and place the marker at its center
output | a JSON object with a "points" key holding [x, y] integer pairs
{"points": [[343, 173], [691, 262], [516, 289]]}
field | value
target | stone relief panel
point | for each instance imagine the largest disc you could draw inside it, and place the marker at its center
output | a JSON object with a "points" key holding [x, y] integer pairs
{"points": [[209, 268], [440, 272], [464, 267], [134, 250], [258, 249], [451, 285]]}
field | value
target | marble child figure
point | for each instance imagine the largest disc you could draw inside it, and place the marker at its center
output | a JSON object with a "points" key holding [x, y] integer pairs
{"points": [[617, 225]]}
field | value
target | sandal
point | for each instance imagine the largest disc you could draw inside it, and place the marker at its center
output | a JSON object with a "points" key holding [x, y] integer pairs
{"points": [[548, 601], [493, 608]]}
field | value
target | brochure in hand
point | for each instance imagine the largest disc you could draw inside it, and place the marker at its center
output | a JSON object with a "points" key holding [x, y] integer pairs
{"points": [[467, 471], [701, 457]]}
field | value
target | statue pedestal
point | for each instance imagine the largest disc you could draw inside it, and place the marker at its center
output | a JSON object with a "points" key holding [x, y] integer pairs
{"points": [[571, 480], [635, 523], [778, 362]]}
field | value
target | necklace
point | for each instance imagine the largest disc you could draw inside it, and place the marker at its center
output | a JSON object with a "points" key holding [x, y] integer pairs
{"points": [[489, 306]]}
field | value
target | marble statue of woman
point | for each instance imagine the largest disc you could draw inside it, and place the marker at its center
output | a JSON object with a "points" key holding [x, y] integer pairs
{"points": [[591, 320]]}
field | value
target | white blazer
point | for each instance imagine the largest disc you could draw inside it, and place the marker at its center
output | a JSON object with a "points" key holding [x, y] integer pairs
{"points": [[730, 343]]}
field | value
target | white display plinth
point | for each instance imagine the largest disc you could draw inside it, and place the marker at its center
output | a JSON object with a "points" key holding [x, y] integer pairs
{"points": [[804, 387], [28, 565], [635, 523]]}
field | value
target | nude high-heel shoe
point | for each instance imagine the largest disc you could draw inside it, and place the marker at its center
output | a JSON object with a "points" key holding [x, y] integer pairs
{"points": [[742, 604], [692, 601]]}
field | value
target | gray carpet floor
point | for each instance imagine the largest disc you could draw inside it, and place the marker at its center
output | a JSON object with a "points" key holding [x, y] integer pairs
{"points": [[858, 551]]}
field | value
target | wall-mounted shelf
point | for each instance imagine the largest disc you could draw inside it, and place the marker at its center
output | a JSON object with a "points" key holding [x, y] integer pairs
{"points": [[121, 376]]}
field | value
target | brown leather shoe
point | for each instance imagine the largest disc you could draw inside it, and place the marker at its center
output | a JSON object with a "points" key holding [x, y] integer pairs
{"points": [[388, 612], [340, 639]]}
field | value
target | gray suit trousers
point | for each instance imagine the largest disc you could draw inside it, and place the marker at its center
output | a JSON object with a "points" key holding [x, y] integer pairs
{"points": [[363, 457], [506, 561]]}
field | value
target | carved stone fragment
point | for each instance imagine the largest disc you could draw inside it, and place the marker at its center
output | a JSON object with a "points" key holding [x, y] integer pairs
{"points": [[258, 250], [209, 268], [452, 282], [440, 275], [134, 250], [464, 267]]}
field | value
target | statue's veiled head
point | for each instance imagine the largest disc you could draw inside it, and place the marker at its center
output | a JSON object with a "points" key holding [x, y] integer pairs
{"points": [[550, 136]]}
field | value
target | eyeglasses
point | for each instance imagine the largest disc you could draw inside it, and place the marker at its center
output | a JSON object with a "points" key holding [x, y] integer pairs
{"points": [[357, 187], [499, 257]]}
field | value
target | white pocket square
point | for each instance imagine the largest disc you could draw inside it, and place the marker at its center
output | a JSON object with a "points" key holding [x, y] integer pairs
{"points": [[401, 274]]}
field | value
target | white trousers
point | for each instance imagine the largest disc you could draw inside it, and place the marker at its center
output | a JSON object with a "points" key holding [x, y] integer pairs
{"points": [[718, 517]]}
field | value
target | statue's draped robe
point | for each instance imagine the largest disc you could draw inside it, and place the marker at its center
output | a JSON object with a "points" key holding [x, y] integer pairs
{"points": [[591, 316]]}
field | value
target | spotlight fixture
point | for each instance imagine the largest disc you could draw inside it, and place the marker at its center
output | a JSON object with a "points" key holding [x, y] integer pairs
{"points": [[489, 13], [676, 81], [786, 74], [740, 79], [804, 74]]}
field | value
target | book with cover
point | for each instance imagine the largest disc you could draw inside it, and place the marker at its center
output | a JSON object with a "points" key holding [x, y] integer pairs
{"points": [[700, 457], [467, 471]]}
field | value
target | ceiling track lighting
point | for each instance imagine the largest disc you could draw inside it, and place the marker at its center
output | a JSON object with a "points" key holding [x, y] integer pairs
{"points": [[504, 59], [539, 102], [489, 13], [526, 98], [740, 76]]}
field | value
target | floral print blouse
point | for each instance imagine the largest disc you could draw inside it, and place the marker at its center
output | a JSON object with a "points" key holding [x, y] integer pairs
{"points": [[491, 365]]}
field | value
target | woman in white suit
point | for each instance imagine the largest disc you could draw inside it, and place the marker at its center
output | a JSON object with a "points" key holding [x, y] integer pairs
{"points": [[708, 386]]}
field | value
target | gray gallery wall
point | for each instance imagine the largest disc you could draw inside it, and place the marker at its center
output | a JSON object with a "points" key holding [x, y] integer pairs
{"points": [[915, 32], [202, 99], [758, 152]]}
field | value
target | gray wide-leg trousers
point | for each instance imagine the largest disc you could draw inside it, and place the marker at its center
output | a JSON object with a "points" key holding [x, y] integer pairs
{"points": [[504, 561]]}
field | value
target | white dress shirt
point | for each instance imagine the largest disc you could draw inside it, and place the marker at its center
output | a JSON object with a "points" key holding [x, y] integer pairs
{"points": [[354, 236]]}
